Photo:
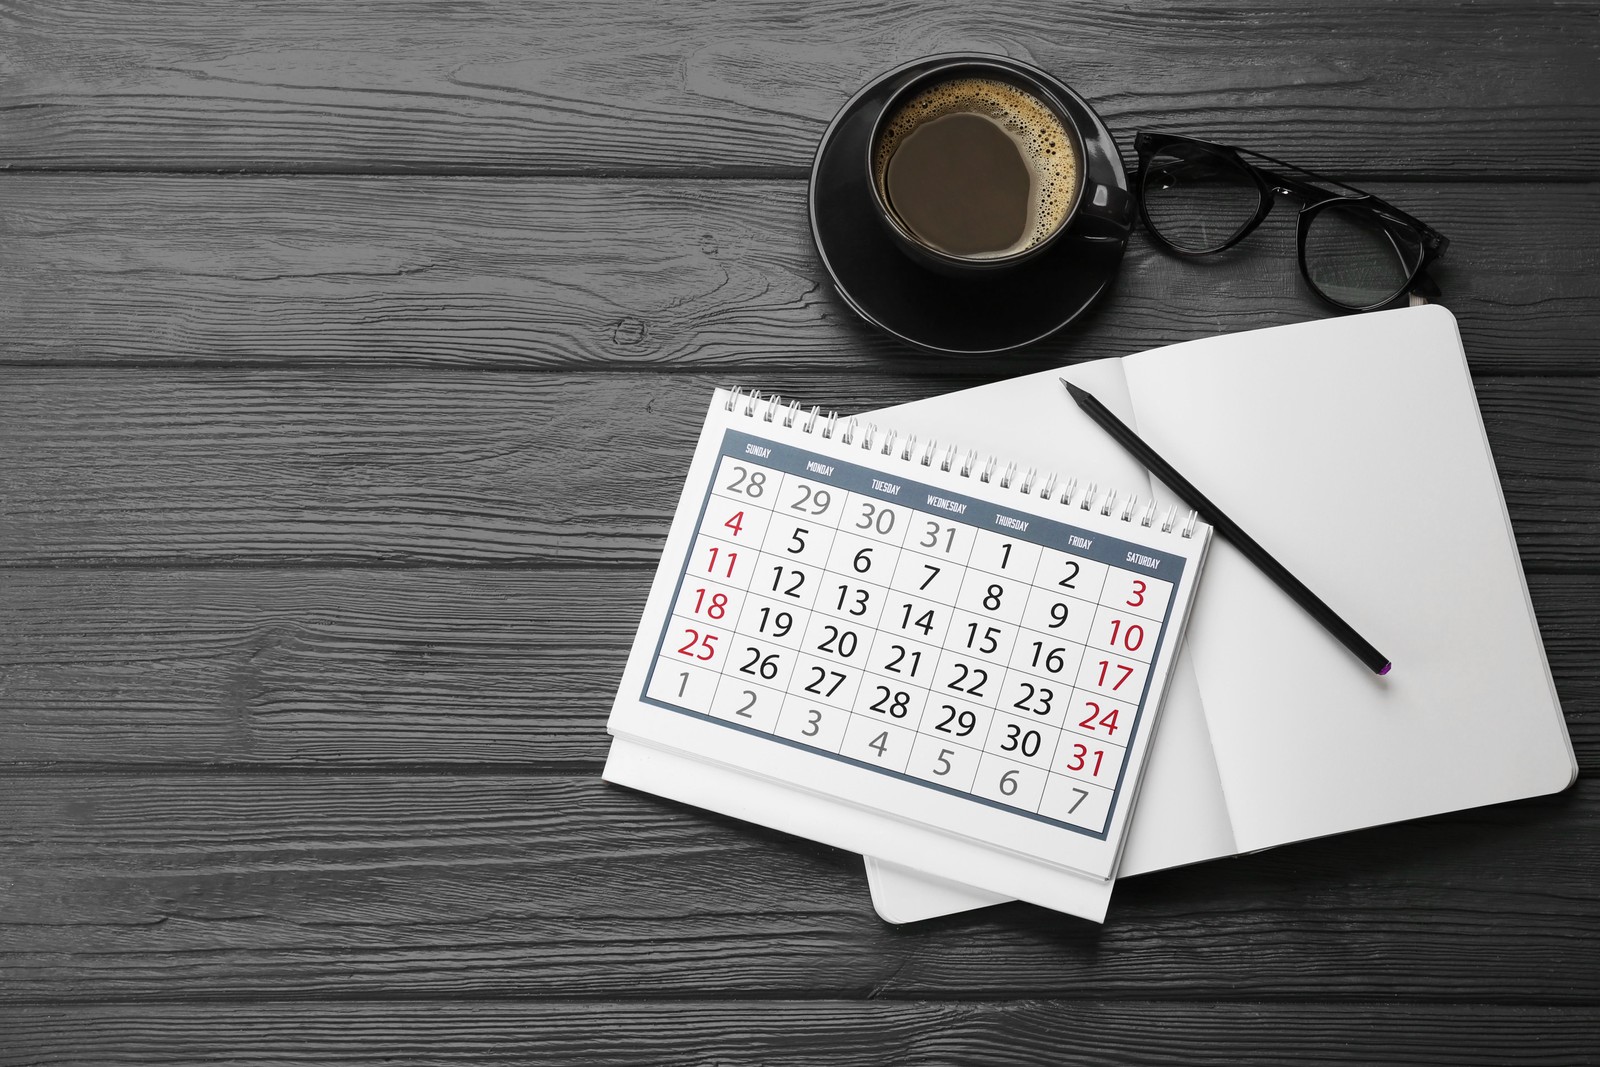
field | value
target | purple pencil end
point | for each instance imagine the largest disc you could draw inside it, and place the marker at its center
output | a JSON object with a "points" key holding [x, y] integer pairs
{"points": [[1386, 668]]}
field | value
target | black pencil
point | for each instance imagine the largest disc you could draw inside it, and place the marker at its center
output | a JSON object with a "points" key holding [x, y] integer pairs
{"points": [[1246, 544]]}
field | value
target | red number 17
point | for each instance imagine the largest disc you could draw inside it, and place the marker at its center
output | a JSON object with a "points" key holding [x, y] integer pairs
{"points": [[1105, 665]]}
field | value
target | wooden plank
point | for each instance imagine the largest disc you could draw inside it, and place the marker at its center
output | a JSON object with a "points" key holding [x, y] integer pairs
{"points": [[189, 467], [350, 668], [831, 1032], [112, 269], [315, 886], [1504, 88]]}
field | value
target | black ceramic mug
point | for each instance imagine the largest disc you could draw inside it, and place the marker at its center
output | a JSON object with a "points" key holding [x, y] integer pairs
{"points": [[977, 166]]}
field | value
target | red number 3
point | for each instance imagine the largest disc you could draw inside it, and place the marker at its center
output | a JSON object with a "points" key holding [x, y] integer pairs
{"points": [[1138, 594]]}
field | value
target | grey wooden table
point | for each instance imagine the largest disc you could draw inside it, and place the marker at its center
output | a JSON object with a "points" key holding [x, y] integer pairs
{"points": [[350, 355]]}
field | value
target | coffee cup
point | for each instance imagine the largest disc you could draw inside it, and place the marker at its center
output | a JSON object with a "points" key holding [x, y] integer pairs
{"points": [[976, 166]]}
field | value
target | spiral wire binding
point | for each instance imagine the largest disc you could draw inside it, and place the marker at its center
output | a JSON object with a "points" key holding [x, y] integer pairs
{"points": [[851, 430]]}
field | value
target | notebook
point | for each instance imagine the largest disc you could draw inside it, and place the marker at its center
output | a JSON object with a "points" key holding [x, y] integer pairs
{"points": [[1353, 449], [890, 644]]}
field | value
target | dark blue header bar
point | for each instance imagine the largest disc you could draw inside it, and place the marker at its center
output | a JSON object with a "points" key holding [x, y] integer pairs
{"points": [[1018, 524]]}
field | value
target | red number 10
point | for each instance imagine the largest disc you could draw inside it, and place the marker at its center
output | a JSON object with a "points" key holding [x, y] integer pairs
{"points": [[1132, 638]]}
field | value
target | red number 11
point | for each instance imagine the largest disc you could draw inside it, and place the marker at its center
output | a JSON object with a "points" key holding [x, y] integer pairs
{"points": [[712, 567]]}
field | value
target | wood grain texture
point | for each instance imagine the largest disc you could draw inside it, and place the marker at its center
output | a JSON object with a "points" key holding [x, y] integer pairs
{"points": [[691, 85], [562, 273], [320, 324], [400, 669], [189, 467], [836, 1033], [314, 886]]}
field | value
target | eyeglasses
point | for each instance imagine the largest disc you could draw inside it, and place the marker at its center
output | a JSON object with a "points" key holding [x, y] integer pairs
{"points": [[1356, 251]]}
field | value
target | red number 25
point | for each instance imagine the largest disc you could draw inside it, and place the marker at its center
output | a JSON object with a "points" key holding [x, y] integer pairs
{"points": [[706, 644]]}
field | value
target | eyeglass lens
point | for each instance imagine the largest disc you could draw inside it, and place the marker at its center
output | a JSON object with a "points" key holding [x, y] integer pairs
{"points": [[1198, 200], [1356, 260]]}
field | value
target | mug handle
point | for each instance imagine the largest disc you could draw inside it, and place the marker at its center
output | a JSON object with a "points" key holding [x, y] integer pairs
{"points": [[1107, 212]]}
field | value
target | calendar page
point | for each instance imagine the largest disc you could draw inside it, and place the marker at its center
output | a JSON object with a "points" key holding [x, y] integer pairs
{"points": [[913, 630]]}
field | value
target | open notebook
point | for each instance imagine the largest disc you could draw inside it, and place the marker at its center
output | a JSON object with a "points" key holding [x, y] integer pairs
{"points": [[1353, 449]]}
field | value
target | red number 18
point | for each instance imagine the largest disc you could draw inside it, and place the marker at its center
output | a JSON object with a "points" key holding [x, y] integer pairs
{"points": [[716, 608]]}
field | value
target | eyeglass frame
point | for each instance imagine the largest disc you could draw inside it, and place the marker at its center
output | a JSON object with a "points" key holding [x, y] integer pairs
{"points": [[1269, 186]]}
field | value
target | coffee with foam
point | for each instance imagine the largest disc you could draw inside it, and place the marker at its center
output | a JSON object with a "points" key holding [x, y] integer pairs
{"points": [[977, 168]]}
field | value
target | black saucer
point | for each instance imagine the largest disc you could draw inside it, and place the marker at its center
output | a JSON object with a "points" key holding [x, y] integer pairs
{"points": [[967, 316]]}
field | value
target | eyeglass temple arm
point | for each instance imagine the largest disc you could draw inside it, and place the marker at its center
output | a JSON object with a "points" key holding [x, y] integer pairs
{"points": [[1295, 185], [1424, 286], [1438, 240], [1313, 175]]}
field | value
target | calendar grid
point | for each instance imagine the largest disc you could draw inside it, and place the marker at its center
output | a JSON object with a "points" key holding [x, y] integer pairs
{"points": [[781, 627]]}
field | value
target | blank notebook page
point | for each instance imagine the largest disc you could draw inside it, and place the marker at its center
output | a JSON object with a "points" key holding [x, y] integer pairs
{"points": [[1361, 463]]}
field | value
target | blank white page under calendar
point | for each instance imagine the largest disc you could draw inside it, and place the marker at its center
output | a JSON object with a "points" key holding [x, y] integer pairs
{"points": [[959, 651]]}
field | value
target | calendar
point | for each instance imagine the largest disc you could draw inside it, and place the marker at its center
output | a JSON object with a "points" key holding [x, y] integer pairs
{"points": [[915, 631]]}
